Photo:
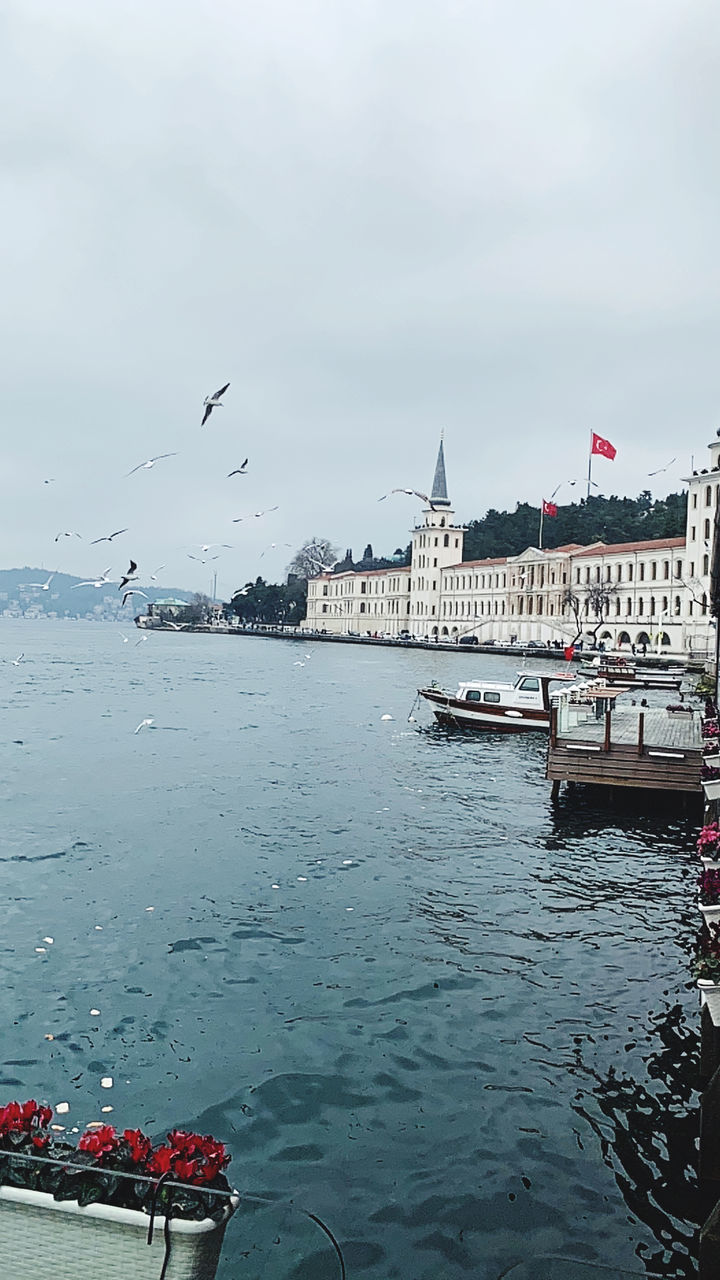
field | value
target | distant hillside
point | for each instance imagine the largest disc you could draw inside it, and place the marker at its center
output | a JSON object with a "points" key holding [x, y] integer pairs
{"points": [[60, 600], [502, 533]]}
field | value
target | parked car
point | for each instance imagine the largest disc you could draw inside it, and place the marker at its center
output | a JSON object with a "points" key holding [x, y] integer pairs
{"points": [[536, 644], [404, 635], [468, 640]]}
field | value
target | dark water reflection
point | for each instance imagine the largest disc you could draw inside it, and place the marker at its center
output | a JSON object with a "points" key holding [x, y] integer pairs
{"points": [[420, 1002]]}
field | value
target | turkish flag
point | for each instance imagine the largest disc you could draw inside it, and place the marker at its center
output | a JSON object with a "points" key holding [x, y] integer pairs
{"points": [[603, 447], [549, 508], [569, 653]]}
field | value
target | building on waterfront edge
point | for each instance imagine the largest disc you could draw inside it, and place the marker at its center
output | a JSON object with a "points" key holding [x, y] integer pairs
{"points": [[658, 590]]}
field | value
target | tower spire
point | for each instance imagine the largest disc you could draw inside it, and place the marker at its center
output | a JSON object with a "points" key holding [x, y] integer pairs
{"points": [[439, 494]]}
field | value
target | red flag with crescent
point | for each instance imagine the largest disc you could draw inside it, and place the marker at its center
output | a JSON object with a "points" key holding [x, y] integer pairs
{"points": [[603, 447]]}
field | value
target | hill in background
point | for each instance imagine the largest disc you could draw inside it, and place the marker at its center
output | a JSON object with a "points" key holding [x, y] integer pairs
{"points": [[103, 604]]}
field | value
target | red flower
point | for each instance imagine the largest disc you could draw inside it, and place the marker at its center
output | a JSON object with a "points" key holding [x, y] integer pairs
{"points": [[161, 1160], [99, 1142], [186, 1170], [41, 1140], [139, 1145]]}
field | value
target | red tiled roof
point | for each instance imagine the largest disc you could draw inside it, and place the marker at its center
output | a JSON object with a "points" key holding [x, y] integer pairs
{"points": [[618, 548], [360, 573]]}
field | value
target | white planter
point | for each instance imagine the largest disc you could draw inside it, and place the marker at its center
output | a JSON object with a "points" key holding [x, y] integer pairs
{"points": [[41, 1238], [709, 864], [712, 760], [711, 787], [680, 715], [710, 914]]}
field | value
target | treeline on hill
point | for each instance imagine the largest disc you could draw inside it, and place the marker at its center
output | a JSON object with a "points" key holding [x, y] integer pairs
{"points": [[270, 603], [502, 533]]}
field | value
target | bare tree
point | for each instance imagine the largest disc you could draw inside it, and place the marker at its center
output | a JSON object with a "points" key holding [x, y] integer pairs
{"points": [[573, 603], [314, 556], [598, 597]]}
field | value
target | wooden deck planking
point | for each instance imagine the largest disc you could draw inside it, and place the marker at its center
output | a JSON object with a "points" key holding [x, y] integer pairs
{"points": [[668, 760]]}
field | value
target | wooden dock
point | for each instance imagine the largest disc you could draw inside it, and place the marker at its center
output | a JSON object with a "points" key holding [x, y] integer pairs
{"points": [[624, 747]]}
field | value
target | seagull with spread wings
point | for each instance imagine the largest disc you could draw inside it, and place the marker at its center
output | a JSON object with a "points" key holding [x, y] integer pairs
{"points": [[200, 559], [145, 466], [239, 471], [44, 586], [58, 536], [255, 515], [130, 576], [128, 594], [413, 493], [661, 469], [213, 402], [102, 581], [109, 537], [153, 576]]}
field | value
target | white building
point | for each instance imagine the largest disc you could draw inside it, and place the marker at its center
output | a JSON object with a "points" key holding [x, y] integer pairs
{"points": [[654, 593]]}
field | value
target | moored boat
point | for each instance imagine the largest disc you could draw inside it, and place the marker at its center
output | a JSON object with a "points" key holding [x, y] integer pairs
{"points": [[615, 670], [499, 707]]}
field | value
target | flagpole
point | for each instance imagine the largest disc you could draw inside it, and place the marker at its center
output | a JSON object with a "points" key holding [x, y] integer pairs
{"points": [[590, 464], [542, 513]]}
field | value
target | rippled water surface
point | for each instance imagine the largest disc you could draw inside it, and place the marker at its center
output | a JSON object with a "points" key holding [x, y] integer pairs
{"points": [[415, 1001]]}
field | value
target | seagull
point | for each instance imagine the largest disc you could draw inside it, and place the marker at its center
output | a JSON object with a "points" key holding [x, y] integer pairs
{"points": [[413, 493], [153, 576], [239, 471], [200, 559], [125, 639], [143, 723], [208, 546], [273, 546], [58, 536], [98, 582], [255, 515], [50, 481], [213, 402], [16, 661], [44, 586], [661, 469], [176, 626], [129, 576], [109, 537], [298, 663], [142, 640], [128, 594], [244, 590], [145, 466]]}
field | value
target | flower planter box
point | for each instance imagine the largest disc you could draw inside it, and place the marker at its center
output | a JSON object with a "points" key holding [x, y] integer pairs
{"points": [[713, 760], [709, 864], [711, 787], [711, 914], [41, 1237], [679, 715]]}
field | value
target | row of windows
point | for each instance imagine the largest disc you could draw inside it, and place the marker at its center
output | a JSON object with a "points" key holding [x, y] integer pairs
{"points": [[594, 572]]}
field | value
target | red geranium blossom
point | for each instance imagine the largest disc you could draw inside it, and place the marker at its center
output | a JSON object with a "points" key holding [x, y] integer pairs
{"points": [[139, 1145], [162, 1160], [99, 1142]]}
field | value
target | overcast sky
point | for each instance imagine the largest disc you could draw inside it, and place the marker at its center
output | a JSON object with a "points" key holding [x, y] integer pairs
{"points": [[377, 219]]}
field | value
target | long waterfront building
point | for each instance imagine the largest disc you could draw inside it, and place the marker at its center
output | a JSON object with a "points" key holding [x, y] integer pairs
{"points": [[652, 593]]}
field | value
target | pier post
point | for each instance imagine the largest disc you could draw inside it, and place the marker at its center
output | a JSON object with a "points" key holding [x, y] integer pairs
{"points": [[553, 725], [641, 733], [709, 1047], [608, 718]]}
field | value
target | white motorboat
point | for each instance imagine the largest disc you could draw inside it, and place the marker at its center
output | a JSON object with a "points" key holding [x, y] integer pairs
{"points": [[503, 708]]}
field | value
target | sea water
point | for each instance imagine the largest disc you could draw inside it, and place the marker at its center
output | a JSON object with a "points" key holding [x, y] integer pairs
{"points": [[415, 1000]]}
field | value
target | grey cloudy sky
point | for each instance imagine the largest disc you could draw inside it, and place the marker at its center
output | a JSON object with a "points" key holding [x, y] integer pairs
{"points": [[377, 218]]}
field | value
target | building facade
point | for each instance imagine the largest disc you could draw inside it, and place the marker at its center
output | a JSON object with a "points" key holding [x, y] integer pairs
{"points": [[653, 593]]}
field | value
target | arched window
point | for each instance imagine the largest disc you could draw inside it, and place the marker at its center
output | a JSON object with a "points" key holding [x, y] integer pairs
{"points": [[446, 539], [706, 564], [706, 527], [708, 495], [703, 605], [652, 606], [640, 607], [676, 607]]}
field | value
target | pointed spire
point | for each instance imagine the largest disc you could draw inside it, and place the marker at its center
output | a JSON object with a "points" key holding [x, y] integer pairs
{"points": [[439, 494]]}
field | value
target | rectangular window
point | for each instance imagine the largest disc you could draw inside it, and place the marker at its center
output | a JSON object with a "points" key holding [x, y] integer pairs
{"points": [[642, 572], [363, 588]]}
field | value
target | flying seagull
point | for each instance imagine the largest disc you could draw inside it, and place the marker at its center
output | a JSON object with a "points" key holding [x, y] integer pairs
{"points": [[16, 661], [661, 469], [153, 576], [44, 586], [255, 515], [142, 640], [109, 537], [145, 466], [128, 594], [273, 546], [97, 582], [413, 493], [213, 402], [125, 639], [208, 546], [58, 536], [200, 559], [144, 723], [50, 481], [239, 471], [129, 576]]}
